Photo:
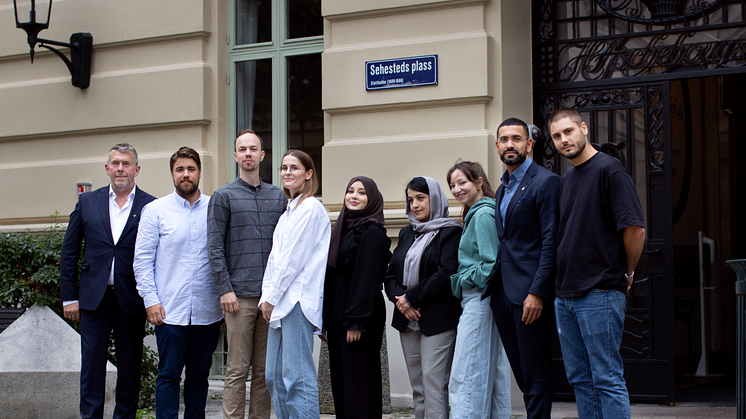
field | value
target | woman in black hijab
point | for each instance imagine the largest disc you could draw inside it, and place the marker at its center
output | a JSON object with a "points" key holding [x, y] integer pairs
{"points": [[354, 311]]}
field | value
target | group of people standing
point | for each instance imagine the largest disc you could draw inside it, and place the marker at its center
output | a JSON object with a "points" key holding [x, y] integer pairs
{"points": [[472, 298]]}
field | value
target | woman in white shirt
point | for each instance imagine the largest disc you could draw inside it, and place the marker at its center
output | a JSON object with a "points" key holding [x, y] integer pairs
{"points": [[292, 291]]}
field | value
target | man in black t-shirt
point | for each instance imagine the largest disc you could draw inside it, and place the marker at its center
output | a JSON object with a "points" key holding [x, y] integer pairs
{"points": [[601, 235]]}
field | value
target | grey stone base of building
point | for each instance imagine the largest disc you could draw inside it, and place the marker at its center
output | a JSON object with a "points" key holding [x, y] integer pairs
{"points": [[32, 395], [40, 368]]}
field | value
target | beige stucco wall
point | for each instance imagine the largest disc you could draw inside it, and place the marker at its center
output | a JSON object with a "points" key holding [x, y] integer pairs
{"points": [[158, 82], [392, 135]]}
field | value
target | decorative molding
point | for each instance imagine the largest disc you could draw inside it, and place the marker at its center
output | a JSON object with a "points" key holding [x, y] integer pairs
{"points": [[418, 104], [106, 130], [400, 10], [135, 42], [35, 220]]}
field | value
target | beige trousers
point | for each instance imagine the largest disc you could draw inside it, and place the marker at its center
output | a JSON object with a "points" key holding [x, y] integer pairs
{"points": [[247, 347]]}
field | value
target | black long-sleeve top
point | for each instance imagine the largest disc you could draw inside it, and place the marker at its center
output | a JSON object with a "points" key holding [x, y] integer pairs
{"points": [[439, 309], [352, 290]]}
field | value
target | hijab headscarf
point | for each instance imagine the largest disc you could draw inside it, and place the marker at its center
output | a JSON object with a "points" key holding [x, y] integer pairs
{"points": [[427, 230], [349, 219]]}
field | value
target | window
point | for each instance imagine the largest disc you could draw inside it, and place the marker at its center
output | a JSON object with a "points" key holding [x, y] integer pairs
{"points": [[275, 77]]}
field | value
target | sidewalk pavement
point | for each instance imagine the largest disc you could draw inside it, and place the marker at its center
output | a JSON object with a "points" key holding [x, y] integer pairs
{"points": [[563, 410], [560, 410]]}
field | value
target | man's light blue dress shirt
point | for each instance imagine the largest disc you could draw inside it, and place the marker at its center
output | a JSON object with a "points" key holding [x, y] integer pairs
{"points": [[510, 183], [171, 263]]}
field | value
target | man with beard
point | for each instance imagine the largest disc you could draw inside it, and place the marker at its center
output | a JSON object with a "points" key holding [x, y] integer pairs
{"points": [[241, 220], [601, 235], [526, 220], [173, 277]]}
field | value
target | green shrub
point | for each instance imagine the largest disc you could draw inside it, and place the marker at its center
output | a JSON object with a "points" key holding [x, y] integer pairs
{"points": [[30, 273], [30, 268]]}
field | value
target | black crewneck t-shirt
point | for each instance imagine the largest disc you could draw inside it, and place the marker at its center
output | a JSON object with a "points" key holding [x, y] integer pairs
{"points": [[598, 200]]}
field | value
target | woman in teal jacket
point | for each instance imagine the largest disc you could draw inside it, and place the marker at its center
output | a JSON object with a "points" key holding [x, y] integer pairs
{"points": [[480, 377]]}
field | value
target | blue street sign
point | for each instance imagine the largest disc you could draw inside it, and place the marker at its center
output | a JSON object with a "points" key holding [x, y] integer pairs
{"points": [[401, 72]]}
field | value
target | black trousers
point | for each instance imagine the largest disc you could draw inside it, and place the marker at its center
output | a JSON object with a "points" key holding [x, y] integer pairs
{"points": [[95, 328], [528, 350], [355, 372]]}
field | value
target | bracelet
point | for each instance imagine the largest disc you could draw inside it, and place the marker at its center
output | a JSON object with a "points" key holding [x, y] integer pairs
{"points": [[630, 275]]}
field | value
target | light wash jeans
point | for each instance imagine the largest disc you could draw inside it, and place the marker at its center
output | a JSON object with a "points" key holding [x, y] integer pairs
{"points": [[590, 332], [480, 377], [290, 372]]}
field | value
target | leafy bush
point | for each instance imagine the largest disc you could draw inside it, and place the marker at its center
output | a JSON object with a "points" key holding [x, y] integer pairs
{"points": [[30, 273], [149, 373], [30, 268]]}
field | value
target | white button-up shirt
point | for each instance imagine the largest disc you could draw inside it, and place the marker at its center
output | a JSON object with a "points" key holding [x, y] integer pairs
{"points": [[297, 264], [118, 219], [171, 264]]}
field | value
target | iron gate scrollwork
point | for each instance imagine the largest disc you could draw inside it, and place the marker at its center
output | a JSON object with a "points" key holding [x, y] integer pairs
{"points": [[647, 97], [577, 40]]}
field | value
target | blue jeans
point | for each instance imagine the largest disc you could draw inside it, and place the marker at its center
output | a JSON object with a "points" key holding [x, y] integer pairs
{"points": [[180, 347], [291, 372], [590, 331], [480, 376]]}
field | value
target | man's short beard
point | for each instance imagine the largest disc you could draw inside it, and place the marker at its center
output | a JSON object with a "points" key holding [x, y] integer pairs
{"points": [[186, 189], [514, 161], [249, 167], [579, 148]]}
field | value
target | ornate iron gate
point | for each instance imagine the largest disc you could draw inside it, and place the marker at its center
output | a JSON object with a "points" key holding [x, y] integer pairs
{"points": [[612, 61]]}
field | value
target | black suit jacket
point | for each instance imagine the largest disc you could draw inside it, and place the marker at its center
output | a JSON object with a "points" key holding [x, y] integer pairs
{"points": [[526, 259], [90, 222], [440, 310]]}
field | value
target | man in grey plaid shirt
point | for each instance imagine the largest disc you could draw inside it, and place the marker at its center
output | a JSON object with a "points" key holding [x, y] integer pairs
{"points": [[240, 221]]}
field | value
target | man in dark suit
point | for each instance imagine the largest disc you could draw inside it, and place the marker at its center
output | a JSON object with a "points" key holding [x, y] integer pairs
{"points": [[106, 298], [526, 217]]}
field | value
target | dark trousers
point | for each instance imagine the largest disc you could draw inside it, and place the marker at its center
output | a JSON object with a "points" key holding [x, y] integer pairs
{"points": [[355, 372], [95, 328], [181, 347], [528, 350]]}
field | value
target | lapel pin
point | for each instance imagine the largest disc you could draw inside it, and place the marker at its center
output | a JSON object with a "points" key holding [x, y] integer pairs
{"points": [[134, 215], [523, 188]]}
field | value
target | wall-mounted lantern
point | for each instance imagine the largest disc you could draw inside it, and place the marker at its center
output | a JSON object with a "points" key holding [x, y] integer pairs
{"points": [[81, 44]]}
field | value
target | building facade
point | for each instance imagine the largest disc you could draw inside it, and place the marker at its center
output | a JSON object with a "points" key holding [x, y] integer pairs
{"points": [[195, 72]]}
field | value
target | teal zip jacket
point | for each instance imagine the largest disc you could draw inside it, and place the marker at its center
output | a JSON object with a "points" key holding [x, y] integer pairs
{"points": [[477, 249]]}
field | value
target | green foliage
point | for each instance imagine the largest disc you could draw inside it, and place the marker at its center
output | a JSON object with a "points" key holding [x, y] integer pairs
{"points": [[30, 273], [148, 375], [147, 413], [30, 268]]}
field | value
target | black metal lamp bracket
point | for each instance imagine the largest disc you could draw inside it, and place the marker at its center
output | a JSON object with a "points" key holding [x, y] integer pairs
{"points": [[79, 64]]}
